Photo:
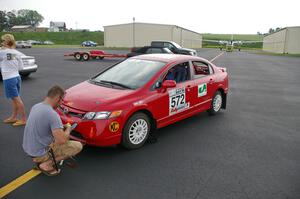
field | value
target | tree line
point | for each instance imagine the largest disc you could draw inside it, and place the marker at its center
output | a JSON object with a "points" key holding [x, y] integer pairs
{"points": [[12, 18]]}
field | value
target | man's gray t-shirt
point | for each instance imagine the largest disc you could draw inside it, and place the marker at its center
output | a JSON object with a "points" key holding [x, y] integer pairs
{"points": [[41, 122]]}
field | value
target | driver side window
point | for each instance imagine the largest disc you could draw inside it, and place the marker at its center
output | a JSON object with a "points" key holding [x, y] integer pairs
{"points": [[179, 73]]}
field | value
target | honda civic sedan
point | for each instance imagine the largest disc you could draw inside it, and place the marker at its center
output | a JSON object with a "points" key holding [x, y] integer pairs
{"points": [[126, 102]]}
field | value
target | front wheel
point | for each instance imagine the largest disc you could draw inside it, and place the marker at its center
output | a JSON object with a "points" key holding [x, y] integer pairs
{"points": [[216, 103], [136, 131], [25, 75]]}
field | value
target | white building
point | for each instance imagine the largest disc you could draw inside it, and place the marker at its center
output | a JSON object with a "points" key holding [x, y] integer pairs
{"points": [[286, 40], [57, 26], [141, 34]]}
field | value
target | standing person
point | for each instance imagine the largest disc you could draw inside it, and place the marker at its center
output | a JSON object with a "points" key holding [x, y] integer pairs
{"points": [[44, 135], [10, 64]]}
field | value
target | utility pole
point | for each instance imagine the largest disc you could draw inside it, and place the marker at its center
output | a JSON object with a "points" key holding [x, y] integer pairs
{"points": [[133, 31]]}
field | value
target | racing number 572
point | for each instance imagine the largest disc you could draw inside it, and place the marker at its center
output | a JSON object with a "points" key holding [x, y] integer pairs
{"points": [[177, 100]]}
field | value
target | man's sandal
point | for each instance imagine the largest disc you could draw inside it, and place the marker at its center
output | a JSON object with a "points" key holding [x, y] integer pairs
{"points": [[19, 123], [10, 121], [52, 172]]}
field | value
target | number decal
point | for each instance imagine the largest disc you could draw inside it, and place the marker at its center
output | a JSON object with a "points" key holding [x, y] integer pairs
{"points": [[177, 101]]}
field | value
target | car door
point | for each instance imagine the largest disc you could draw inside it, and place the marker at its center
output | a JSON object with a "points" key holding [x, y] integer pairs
{"points": [[204, 79], [173, 103]]}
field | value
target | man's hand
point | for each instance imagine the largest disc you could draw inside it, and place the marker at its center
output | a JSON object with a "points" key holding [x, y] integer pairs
{"points": [[61, 136], [67, 127]]}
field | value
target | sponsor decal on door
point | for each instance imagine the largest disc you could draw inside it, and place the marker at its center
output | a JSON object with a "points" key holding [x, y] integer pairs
{"points": [[202, 90]]}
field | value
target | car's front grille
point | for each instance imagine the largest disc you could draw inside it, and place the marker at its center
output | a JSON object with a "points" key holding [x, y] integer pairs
{"points": [[69, 112], [79, 115], [77, 135]]}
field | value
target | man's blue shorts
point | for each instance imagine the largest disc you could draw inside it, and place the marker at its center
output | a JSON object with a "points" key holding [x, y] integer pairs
{"points": [[12, 87]]}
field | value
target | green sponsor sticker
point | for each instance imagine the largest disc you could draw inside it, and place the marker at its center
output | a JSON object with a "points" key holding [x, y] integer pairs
{"points": [[202, 90]]}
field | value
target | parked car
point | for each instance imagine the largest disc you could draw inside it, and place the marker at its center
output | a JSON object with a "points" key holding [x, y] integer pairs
{"points": [[174, 47], [23, 44], [125, 102], [30, 65], [88, 43], [149, 50], [48, 43]]}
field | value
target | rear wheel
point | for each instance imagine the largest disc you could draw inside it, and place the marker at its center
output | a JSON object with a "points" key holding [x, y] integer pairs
{"points": [[86, 57], [101, 58], [77, 56], [136, 131], [216, 103]]}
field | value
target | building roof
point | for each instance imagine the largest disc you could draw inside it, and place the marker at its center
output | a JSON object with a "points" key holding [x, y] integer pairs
{"points": [[153, 24], [21, 26]]}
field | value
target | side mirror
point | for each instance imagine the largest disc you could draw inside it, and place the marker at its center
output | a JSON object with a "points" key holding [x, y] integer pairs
{"points": [[168, 84]]}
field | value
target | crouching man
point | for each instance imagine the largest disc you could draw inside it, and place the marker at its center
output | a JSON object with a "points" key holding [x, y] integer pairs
{"points": [[45, 135]]}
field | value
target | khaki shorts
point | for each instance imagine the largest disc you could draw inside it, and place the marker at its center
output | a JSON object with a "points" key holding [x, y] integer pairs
{"points": [[69, 149]]}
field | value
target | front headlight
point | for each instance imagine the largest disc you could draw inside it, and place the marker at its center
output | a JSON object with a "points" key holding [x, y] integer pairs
{"points": [[28, 61], [101, 115]]}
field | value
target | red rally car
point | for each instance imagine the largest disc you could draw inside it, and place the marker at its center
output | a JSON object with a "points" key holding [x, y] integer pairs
{"points": [[125, 102]]}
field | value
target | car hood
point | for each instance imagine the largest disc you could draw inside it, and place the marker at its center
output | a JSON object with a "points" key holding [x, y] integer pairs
{"points": [[88, 97], [26, 57]]}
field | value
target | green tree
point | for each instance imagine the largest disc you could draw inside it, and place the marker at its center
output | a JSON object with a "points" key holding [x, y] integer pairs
{"points": [[3, 20], [29, 17], [11, 18]]}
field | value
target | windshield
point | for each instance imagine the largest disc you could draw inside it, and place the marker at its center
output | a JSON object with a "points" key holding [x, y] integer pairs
{"points": [[176, 45], [131, 73]]}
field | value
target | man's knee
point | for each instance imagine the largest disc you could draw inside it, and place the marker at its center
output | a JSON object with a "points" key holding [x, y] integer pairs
{"points": [[77, 147], [74, 148]]}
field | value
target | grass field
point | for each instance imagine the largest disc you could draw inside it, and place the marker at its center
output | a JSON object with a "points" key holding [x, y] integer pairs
{"points": [[66, 38]]}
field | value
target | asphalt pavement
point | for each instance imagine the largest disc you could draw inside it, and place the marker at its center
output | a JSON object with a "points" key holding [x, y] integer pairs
{"points": [[249, 150]]}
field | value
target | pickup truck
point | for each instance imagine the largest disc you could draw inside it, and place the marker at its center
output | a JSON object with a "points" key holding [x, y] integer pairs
{"points": [[174, 47]]}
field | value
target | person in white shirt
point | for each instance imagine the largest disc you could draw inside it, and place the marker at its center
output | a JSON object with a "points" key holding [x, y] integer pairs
{"points": [[10, 64]]}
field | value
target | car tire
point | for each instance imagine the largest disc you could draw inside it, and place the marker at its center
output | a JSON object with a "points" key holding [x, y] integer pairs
{"points": [[85, 57], [77, 56], [216, 103], [25, 75], [136, 131], [101, 58]]}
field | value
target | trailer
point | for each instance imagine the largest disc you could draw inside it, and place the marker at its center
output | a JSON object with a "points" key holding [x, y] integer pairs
{"points": [[93, 54]]}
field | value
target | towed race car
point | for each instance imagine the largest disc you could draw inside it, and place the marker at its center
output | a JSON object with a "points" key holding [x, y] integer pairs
{"points": [[125, 102]]}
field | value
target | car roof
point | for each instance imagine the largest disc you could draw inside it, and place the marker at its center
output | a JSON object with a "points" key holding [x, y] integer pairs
{"points": [[167, 57]]}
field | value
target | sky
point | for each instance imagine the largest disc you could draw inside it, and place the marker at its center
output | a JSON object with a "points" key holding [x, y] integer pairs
{"points": [[209, 16]]}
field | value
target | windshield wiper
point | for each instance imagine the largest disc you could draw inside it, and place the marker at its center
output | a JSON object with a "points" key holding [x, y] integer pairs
{"points": [[116, 83]]}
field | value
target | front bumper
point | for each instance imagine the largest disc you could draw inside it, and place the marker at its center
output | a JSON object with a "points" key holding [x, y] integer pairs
{"points": [[92, 132], [28, 69]]}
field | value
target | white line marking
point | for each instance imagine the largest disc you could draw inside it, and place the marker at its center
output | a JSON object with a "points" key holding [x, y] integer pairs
{"points": [[217, 57]]}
